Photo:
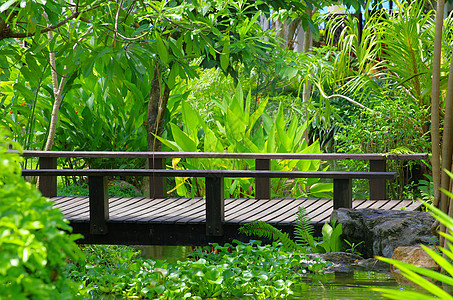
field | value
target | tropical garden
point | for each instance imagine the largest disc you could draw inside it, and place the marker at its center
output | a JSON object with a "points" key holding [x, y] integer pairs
{"points": [[206, 75]]}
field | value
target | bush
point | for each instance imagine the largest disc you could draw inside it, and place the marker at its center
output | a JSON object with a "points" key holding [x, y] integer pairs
{"points": [[33, 240]]}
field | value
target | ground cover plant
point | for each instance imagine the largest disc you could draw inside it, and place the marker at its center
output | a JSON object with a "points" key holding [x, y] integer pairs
{"points": [[232, 270]]}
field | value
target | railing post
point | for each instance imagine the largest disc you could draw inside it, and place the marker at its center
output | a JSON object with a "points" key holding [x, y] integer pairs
{"points": [[378, 188], [157, 185], [215, 206], [99, 204], [48, 184], [262, 185], [342, 193]]}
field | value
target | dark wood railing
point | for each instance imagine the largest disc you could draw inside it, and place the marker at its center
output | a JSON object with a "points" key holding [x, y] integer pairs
{"points": [[377, 162]]}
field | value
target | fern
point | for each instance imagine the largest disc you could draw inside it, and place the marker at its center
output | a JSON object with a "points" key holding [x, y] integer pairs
{"points": [[304, 229], [263, 229]]}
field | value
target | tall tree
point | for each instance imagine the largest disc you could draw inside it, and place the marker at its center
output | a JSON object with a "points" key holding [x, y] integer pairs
{"points": [[158, 40]]}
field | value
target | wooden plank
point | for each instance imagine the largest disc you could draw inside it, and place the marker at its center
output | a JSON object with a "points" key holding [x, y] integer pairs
{"points": [[74, 204], [238, 207], [153, 214], [233, 202], [289, 215], [266, 208], [336, 175], [377, 204], [357, 203], [360, 204], [321, 156], [366, 204], [405, 203], [194, 209], [119, 213], [61, 201], [286, 205], [389, 204], [241, 209], [414, 206], [151, 205], [320, 205], [180, 211]]}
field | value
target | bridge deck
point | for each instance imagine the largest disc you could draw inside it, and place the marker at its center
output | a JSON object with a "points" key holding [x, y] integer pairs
{"points": [[152, 221]]}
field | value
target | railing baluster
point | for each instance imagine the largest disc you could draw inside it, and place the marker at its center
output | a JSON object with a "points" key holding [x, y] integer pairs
{"points": [[157, 185], [99, 204], [262, 185], [378, 187], [48, 184], [215, 206], [342, 193]]}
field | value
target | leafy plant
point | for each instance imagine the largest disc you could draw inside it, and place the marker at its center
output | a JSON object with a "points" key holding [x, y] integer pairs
{"points": [[263, 229], [304, 229], [34, 242], [353, 247], [236, 127], [214, 271]]}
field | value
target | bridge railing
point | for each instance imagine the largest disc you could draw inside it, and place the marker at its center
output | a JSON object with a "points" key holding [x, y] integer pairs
{"points": [[157, 160]]}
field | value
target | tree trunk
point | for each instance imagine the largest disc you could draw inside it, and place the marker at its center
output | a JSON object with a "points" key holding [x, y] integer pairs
{"points": [[57, 91], [435, 130], [446, 204], [156, 110]]}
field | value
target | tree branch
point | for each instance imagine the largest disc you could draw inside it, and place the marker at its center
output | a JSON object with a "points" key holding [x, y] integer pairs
{"points": [[7, 34]]}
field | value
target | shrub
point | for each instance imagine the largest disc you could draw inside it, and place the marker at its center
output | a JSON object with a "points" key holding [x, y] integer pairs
{"points": [[33, 240]]}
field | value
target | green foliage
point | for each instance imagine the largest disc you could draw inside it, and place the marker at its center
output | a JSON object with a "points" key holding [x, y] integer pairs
{"points": [[423, 277], [115, 188], [263, 272], [263, 229], [34, 242], [238, 124], [304, 229], [329, 241]]}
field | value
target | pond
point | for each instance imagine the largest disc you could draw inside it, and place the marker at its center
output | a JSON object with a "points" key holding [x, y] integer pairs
{"points": [[354, 285]]}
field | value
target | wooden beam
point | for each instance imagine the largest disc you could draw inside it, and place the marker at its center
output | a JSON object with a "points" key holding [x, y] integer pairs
{"points": [[342, 193], [215, 206], [262, 185], [48, 184], [157, 184], [99, 204], [378, 187]]}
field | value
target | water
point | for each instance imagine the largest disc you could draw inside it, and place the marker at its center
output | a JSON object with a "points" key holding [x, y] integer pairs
{"points": [[328, 286], [354, 285]]}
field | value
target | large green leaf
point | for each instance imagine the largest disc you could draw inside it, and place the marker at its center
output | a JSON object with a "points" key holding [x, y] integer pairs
{"points": [[183, 140]]}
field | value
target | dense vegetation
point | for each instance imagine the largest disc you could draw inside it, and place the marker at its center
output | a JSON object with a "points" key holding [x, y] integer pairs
{"points": [[206, 76]]}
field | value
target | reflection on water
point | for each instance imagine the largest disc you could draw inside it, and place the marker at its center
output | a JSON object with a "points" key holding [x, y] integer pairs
{"points": [[346, 286], [170, 253]]}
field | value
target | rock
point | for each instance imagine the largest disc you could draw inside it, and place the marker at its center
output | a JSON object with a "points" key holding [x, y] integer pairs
{"points": [[416, 256], [344, 262], [382, 231]]}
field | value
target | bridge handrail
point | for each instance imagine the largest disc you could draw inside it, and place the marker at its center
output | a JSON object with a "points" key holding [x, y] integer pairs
{"points": [[378, 163], [322, 156]]}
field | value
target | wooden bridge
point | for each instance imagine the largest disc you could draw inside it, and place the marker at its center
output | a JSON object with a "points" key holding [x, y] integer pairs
{"points": [[159, 220]]}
